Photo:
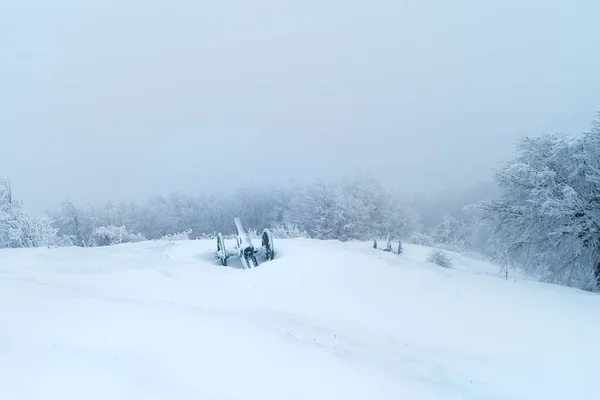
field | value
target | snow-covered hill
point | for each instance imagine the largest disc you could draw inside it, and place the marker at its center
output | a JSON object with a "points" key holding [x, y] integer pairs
{"points": [[324, 320]]}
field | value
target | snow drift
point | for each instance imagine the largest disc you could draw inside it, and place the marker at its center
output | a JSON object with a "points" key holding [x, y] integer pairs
{"points": [[324, 320]]}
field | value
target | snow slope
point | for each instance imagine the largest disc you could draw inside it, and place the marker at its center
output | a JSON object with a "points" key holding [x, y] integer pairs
{"points": [[324, 320]]}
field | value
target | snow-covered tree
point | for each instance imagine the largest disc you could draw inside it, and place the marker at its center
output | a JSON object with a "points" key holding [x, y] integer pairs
{"points": [[18, 229], [453, 232], [10, 224], [354, 207], [549, 212], [74, 223], [314, 210]]}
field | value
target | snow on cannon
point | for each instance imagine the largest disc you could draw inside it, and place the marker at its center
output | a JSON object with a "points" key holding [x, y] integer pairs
{"points": [[244, 248], [388, 245]]}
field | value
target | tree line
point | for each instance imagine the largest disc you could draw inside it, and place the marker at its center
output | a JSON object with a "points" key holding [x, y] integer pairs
{"points": [[356, 206], [545, 218]]}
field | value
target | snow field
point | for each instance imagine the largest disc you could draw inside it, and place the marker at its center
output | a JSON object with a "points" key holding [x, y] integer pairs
{"points": [[324, 320]]}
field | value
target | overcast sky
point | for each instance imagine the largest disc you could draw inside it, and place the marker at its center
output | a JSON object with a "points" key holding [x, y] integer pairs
{"points": [[103, 99]]}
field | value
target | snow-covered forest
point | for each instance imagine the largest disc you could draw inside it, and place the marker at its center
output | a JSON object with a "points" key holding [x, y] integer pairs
{"points": [[353, 207], [545, 219]]}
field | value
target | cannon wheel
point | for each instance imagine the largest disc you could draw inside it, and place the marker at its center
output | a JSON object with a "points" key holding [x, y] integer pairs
{"points": [[267, 244], [221, 252]]}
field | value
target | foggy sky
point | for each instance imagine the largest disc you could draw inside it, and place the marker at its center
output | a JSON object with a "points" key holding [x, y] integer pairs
{"points": [[126, 99]]}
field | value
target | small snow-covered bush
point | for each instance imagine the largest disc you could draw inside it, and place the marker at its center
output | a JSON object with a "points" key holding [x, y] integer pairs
{"points": [[206, 236], [253, 233], [184, 235], [213, 236], [440, 258], [287, 231], [111, 235]]}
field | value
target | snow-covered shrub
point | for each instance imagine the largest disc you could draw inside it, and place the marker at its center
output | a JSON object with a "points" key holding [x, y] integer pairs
{"points": [[253, 233], [111, 235], [206, 236], [213, 236], [184, 235], [440, 258], [287, 231], [10, 229], [38, 232]]}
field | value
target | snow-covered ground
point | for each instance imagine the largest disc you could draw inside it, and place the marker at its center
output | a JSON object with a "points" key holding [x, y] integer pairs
{"points": [[324, 320]]}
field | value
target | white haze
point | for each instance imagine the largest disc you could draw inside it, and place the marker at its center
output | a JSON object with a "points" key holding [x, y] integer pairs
{"points": [[126, 99]]}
